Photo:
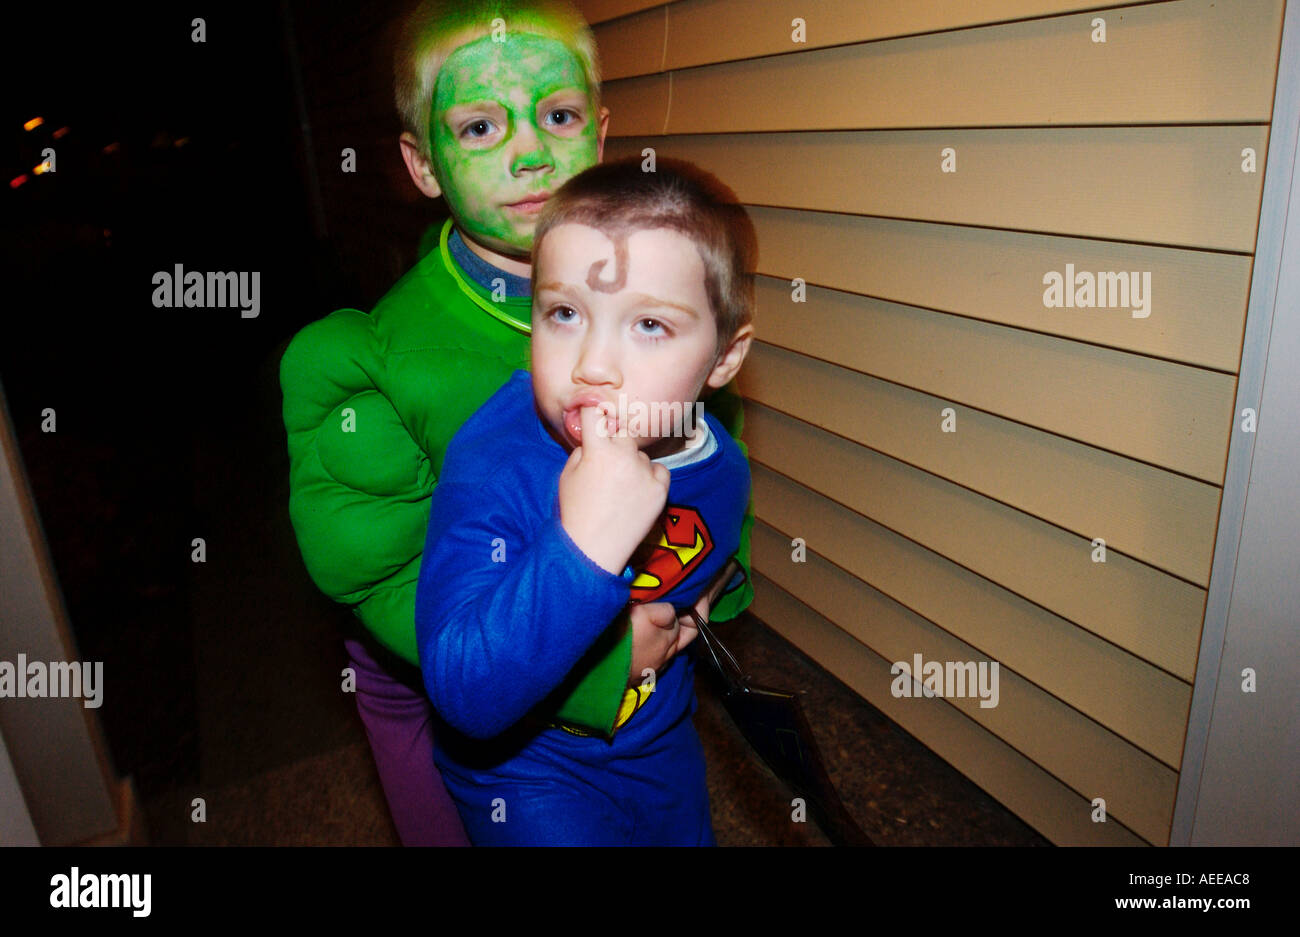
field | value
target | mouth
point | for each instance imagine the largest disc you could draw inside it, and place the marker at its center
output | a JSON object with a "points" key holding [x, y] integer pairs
{"points": [[571, 419], [531, 206]]}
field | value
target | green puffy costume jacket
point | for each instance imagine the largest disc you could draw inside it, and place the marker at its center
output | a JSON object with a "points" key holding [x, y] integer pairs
{"points": [[370, 404]]}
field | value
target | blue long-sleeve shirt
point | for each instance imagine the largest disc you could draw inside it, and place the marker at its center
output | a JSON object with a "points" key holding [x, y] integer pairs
{"points": [[507, 604]]}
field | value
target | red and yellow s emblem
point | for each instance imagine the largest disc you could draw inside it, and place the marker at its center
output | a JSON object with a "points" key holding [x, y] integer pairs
{"points": [[682, 543]]}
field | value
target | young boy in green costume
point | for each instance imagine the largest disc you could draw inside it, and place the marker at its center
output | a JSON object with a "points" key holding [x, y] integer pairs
{"points": [[500, 104]]}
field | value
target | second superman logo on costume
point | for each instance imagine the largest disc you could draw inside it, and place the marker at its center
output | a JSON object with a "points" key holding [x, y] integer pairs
{"points": [[683, 543]]}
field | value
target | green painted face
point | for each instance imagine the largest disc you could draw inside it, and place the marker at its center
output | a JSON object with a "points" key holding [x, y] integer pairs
{"points": [[512, 121]]}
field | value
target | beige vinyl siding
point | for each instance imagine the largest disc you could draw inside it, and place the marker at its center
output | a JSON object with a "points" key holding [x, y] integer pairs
{"points": [[1131, 697], [1041, 71], [1079, 391], [1038, 797], [923, 290], [1129, 603], [1116, 183], [633, 45], [598, 11], [895, 260], [1150, 514], [1078, 751], [711, 31]]}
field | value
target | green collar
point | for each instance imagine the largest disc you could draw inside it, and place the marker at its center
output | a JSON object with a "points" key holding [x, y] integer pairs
{"points": [[483, 302]]}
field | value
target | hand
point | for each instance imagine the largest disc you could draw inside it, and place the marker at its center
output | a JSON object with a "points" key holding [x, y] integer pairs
{"points": [[658, 636], [611, 494]]}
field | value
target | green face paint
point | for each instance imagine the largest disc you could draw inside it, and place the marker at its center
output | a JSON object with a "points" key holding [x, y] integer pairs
{"points": [[512, 121]]}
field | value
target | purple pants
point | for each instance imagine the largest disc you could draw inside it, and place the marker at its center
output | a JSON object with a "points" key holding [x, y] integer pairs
{"points": [[399, 722]]}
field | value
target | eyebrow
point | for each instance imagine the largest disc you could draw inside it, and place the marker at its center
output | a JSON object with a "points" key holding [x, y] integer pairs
{"points": [[642, 299], [493, 102], [567, 91], [474, 105], [645, 299], [556, 286]]}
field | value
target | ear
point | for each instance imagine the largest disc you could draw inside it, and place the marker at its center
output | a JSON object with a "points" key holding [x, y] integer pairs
{"points": [[601, 129], [417, 164], [732, 357]]}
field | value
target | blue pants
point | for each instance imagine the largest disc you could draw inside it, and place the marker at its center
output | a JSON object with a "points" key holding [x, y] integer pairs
{"points": [[560, 789]]}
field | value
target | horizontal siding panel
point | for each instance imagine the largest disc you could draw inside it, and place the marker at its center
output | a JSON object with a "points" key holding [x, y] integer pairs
{"points": [[1148, 613], [1155, 516], [1163, 413], [1146, 706], [1197, 313], [633, 45], [636, 107], [1094, 762], [1177, 186], [598, 11], [702, 32], [1041, 800], [1152, 69]]}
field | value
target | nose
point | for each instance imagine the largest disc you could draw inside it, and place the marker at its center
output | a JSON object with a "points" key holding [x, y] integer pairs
{"points": [[529, 152], [597, 360]]}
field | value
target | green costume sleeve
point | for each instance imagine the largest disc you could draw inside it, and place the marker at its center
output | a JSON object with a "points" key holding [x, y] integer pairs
{"points": [[370, 403], [585, 699], [358, 485], [727, 406]]}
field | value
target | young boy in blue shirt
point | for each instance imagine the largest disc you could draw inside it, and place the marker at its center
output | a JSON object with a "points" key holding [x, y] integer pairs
{"points": [[579, 489]]}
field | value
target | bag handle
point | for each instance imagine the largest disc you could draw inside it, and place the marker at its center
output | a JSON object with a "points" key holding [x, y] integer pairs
{"points": [[731, 576]]}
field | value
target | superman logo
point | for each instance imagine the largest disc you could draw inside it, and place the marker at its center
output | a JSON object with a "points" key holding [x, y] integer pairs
{"points": [[682, 544]]}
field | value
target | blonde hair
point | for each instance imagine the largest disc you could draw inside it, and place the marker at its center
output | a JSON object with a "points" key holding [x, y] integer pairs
{"points": [[434, 29]]}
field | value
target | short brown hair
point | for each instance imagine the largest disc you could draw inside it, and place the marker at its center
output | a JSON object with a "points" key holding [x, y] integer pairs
{"points": [[621, 197], [434, 29]]}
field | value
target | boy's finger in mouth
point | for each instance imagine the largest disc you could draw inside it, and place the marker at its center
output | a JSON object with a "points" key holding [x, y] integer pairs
{"points": [[572, 419]]}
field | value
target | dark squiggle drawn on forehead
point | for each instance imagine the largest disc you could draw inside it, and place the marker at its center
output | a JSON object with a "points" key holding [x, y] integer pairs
{"points": [[620, 267]]}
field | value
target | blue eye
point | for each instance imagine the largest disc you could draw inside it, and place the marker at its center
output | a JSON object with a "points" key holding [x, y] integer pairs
{"points": [[478, 129], [562, 117], [563, 314], [652, 328]]}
